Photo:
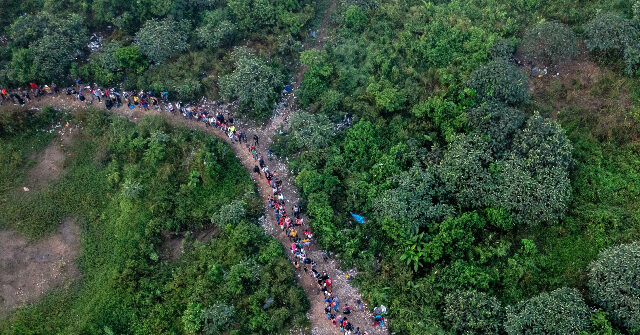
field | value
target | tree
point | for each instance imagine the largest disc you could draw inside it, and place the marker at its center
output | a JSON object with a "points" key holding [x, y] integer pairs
{"points": [[217, 318], [362, 145], [549, 43], [497, 123], [609, 32], [500, 81], [616, 37], [29, 28], [473, 312], [217, 29], [355, 18], [562, 311], [230, 214], [316, 78], [253, 82], [614, 285], [533, 180], [310, 131], [412, 202], [131, 59], [103, 66], [161, 39], [53, 43], [253, 15], [464, 169], [542, 144]]}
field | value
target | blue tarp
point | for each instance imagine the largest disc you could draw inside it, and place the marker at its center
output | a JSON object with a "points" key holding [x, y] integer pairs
{"points": [[358, 218], [288, 88]]}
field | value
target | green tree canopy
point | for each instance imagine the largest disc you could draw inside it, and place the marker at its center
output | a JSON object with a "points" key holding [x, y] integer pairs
{"points": [[253, 82], [609, 32], [53, 43], [218, 29], [465, 170], [310, 131], [473, 312], [413, 202], [560, 312], [548, 43], [614, 285], [500, 81], [217, 318], [497, 123], [162, 39]]}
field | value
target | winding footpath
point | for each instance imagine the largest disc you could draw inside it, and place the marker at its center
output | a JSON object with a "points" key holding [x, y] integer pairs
{"points": [[342, 288]]}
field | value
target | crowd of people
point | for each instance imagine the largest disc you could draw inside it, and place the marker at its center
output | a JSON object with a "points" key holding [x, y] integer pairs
{"points": [[291, 223]]}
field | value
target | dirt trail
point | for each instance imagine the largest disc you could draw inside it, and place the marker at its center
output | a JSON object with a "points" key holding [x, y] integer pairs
{"points": [[342, 289]]}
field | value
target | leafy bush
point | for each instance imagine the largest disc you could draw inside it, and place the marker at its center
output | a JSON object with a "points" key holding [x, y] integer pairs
{"points": [[500, 81], [562, 311], [253, 82], [609, 32], [613, 284], [46, 46], [472, 312], [217, 29], [310, 131], [161, 39], [218, 318], [498, 123], [549, 43]]}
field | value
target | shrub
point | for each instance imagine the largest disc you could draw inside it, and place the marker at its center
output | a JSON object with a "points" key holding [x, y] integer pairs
{"points": [[310, 131], [161, 39], [549, 43], [217, 30], [500, 81], [473, 312], [562, 311], [498, 123], [614, 285], [609, 32], [253, 82], [218, 318]]}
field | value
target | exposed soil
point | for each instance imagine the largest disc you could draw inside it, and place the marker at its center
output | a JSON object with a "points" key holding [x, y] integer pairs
{"points": [[589, 94], [48, 167], [28, 270]]}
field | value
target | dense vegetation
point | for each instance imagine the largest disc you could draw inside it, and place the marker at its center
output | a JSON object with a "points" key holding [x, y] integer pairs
{"points": [[129, 185], [179, 46], [490, 145], [479, 193]]}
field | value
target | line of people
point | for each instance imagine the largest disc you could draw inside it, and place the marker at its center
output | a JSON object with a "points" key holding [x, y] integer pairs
{"points": [[291, 225]]}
